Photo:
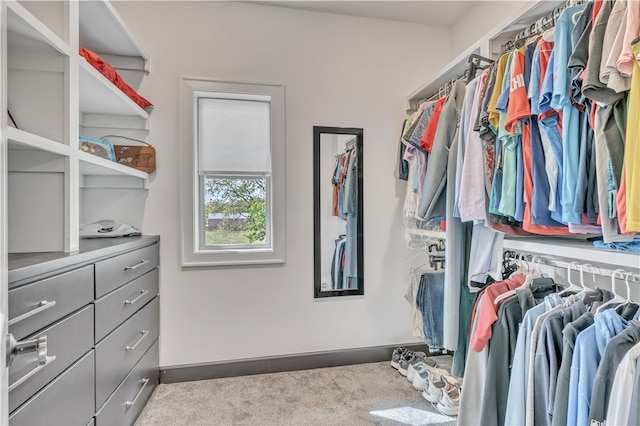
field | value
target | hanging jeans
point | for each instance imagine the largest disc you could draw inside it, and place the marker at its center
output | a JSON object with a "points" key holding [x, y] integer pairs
{"points": [[430, 301]]}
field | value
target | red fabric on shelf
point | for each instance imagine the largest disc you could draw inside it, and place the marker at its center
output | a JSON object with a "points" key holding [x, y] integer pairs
{"points": [[112, 75]]}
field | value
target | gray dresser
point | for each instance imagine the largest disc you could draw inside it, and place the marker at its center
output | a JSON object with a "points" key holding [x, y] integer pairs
{"points": [[99, 311]]}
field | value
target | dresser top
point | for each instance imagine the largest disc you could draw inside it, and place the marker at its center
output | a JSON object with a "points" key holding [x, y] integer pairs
{"points": [[26, 266]]}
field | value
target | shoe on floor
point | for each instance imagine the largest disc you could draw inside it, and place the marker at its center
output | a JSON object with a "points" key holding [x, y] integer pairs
{"points": [[435, 387], [407, 359], [419, 360], [397, 355], [449, 402], [421, 375]]}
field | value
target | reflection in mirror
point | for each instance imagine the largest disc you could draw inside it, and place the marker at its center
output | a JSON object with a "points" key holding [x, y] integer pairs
{"points": [[338, 227]]}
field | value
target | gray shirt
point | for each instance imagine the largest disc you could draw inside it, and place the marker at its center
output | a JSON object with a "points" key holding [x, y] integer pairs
{"points": [[592, 87], [432, 202], [548, 358], [569, 335], [501, 352], [616, 349]]}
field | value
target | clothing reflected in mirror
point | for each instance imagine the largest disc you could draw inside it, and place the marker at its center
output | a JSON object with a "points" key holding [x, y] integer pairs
{"points": [[338, 211]]}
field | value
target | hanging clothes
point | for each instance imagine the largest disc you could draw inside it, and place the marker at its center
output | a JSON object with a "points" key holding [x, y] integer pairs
{"points": [[345, 196]]}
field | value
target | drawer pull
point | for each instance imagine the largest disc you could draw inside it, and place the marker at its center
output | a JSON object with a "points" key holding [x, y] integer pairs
{"points": [[33, 372], [144, 382], [131, 348], [42, 306], [140, 296], [137, 265]]}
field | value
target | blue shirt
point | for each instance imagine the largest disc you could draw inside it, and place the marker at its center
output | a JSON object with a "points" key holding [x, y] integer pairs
{"points": [[561, 101], [590, 346], [507, 205], [516, 403]]}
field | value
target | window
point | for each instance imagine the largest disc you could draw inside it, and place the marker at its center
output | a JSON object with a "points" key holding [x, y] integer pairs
{"points": [[233, 172]]}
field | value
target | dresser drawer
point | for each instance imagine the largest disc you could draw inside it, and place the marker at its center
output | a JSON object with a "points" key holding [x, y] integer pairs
{"points": [[117, 306], [120, 351], [68, 400], [41, 303], [67, 340], [129, 399], [116, 271]]}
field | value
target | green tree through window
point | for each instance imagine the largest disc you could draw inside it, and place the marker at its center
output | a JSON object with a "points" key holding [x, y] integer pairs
{"points": [[235, 210]]}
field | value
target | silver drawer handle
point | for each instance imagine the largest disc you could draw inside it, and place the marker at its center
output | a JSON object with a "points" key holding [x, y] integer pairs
{"points": [[137, 265], [144, 385], [140, 296], [42, 306], [33, 372], [131, 348]]}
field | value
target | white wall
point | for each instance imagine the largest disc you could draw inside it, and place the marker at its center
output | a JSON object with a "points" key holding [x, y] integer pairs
{"points": [[234, 313], [481, 18]]}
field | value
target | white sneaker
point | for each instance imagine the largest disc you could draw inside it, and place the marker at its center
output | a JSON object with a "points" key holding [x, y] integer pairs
{"points": [[419, 364], [449, 402], [422, 374], [435, 386]]}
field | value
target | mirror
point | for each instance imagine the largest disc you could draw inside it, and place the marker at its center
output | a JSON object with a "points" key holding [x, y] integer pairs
{"points": [[337, 180]]}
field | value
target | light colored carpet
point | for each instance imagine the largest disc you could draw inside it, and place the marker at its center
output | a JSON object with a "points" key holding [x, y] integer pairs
{"points": [[363, 394]]}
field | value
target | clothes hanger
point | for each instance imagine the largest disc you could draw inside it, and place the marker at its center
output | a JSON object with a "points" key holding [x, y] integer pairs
{"points": [[521, 265], [584, 287], [572, 286], [626, 283], [531, 275], [617, 299]]}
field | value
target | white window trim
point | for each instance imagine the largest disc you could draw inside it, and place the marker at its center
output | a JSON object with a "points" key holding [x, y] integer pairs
{"points": [[191, 254]]}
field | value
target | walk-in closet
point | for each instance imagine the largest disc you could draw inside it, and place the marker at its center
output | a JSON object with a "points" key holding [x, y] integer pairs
{"points": [[334, 212]]}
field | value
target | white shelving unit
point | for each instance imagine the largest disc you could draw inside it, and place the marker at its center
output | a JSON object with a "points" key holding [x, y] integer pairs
{"points": [[54, 95]]}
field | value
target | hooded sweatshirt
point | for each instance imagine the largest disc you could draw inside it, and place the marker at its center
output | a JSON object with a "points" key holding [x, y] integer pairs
{"points": [[590, 346]]}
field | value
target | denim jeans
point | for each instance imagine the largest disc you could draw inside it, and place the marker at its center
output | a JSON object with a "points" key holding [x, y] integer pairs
{"points": [[430, 302]]}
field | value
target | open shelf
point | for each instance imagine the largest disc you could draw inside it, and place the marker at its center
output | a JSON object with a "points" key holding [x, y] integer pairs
{"points": [[97, 172], [25, 30], [98, 96], [103, 31], [19, 139], [576, 249]]}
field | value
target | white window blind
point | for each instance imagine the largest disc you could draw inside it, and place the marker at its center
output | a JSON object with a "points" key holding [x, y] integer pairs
{"points": [[234, 135]]}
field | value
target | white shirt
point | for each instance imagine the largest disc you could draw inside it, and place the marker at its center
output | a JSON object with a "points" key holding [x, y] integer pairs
{"points": [[620, 399]]}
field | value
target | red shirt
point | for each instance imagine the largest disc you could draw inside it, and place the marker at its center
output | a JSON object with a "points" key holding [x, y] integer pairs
{"points": [[429, 135]]}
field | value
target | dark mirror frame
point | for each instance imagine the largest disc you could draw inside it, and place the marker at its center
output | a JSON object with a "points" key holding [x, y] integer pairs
{"points": [[317, 132]]}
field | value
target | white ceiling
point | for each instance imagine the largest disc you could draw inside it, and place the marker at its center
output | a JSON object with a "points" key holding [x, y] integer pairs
{"points": [[427, 12]]}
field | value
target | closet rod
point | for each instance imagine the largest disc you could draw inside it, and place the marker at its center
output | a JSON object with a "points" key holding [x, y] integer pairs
{"points": [[541, 260], [540, 25]]}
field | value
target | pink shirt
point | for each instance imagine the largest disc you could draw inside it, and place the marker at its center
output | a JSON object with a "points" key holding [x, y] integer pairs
{"points": [[488, 312], [632, 30]]}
